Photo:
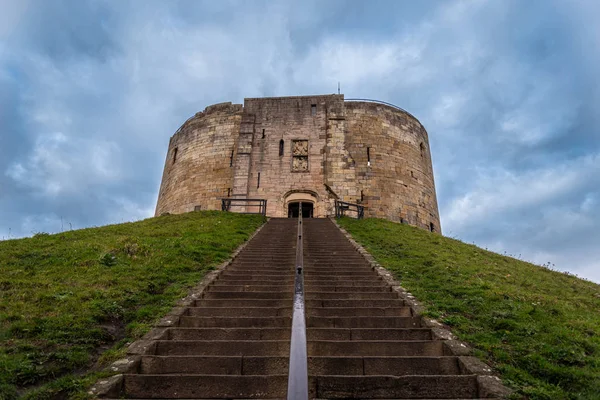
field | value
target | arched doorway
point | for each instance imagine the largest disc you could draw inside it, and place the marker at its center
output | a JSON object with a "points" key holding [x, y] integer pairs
{"points": [[293, 199], [295, 207]]}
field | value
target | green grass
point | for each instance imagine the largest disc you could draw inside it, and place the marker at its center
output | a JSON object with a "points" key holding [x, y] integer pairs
{"points": [[74, 300], [539, 328]]}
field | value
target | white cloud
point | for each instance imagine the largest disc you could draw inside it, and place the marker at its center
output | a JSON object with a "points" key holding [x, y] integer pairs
{"points": [[12, 13], [61, 166], [496, 192]]}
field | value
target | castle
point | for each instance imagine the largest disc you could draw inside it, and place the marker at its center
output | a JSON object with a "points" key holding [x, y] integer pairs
{"points": [[311, 150]]}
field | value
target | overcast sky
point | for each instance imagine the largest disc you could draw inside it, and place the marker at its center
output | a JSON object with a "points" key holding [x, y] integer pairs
{"points": [[509, 91]]}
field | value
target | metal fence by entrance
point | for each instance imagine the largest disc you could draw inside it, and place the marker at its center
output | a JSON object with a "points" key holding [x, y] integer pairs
{"points": [[349, 209], [244, 206]]}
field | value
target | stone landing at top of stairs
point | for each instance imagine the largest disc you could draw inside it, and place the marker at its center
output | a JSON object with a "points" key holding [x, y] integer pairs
{"points": [[363, 340]]}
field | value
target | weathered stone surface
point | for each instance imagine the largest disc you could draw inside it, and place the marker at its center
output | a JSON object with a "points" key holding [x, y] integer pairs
{"points": [[310, 148]]}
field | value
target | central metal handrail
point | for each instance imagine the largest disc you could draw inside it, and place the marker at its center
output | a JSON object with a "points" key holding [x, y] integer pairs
{"points": [[298, 371]]}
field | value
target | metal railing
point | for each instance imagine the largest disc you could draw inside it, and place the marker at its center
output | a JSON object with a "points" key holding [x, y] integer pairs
{"points": [[244, 206], [341, 208], [298, 364], [385, 103]]}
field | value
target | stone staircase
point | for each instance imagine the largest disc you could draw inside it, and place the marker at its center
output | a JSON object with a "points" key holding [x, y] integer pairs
{"points": [[363, 341], [235, 341]]}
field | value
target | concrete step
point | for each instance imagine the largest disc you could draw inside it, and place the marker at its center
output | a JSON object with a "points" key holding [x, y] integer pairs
{"points": [[369, 334], [396, 387], [274, 245], [351, 295], [279, 250], [355, 303], [372, 348], [360, 312], [216, 294], [264, 258], [263, 264], [220, 287], [234, 322], [311, 253], [316, 260], [334, 271], [396, 366], [258, 273], [370, 276], [257, 282], [247, 280], [205, 386], [242, 303], [222, 347], [332, 243], [348, 289], [345, 274], [329, 262], [346, 283], [239, 312], [363, 322], [254, 278], [215, 365], [228, 334], [282, 266], [226, 281]]}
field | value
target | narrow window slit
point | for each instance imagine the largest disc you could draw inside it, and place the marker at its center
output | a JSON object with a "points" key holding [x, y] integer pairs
{"points": [[258, 181], [280, 147], [263, 133], [313, 109], [174, 155], [231, 159]]}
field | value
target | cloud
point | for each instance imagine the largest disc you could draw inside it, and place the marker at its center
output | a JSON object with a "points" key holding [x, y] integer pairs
{"points": [[61, 166], [500, 192]]}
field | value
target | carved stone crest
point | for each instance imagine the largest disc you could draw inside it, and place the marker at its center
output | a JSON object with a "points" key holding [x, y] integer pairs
{"points": [[300, 155], [300, 148]]}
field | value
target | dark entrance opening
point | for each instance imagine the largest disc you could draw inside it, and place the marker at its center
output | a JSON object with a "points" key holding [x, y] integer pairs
{"points": [[294, 210]]}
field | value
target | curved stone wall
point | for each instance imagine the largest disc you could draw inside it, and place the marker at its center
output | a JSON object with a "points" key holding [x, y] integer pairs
{"points": [[395, 174], [320, 148], [198, 169]]}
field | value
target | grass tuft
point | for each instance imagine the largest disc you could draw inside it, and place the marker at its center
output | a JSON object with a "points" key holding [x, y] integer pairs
{"points": [[539, 328], [75, 300]]}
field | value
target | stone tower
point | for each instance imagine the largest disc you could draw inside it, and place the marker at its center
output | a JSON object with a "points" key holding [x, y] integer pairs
{"points": [[313, 149]]}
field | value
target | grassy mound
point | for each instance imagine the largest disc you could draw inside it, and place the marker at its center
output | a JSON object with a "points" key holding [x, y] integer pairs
{"points": [[66, 299], [539, 328]]}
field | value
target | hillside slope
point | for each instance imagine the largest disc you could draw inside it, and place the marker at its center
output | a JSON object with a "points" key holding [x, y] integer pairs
{"points": [[66, 298], [539, 328]]}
